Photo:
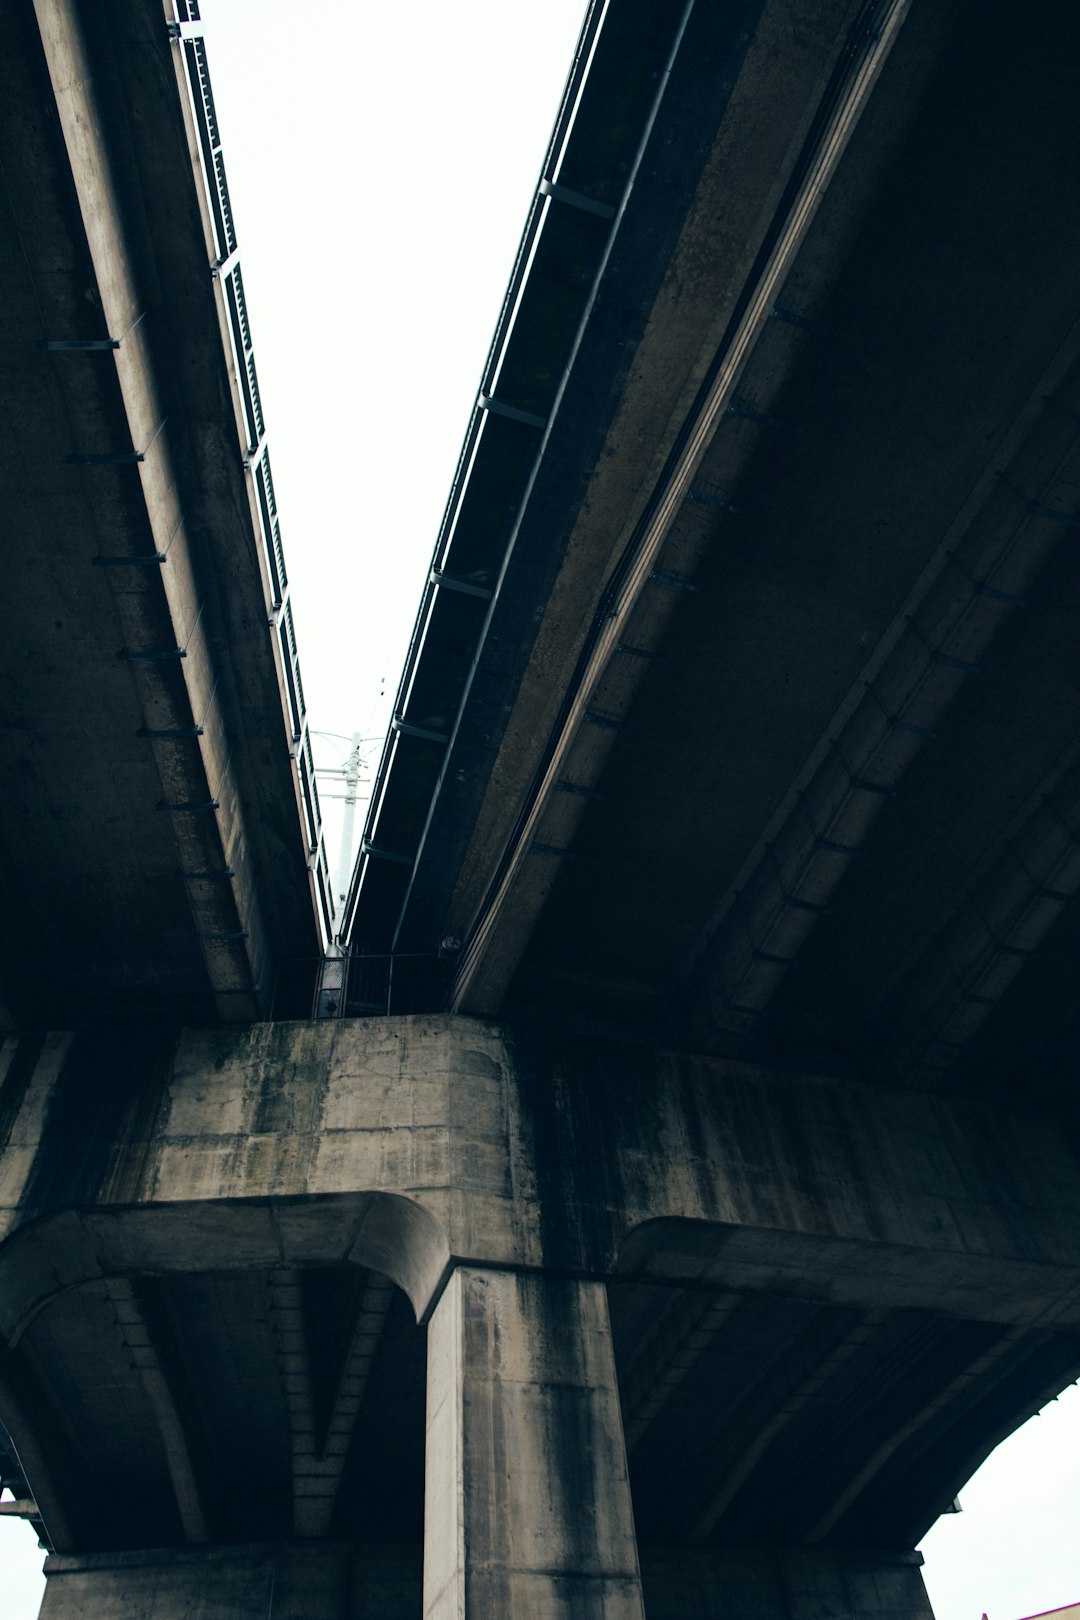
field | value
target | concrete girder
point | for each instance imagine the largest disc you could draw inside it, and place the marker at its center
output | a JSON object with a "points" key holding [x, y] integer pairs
{"points": [[919, 352], [410, 1144], [486, 969], [325, 1582], [135, 530], [988, 558], [959, 605], [139, 1343], [735, 1476], [984, 1364], [1007, 914], [667, 1353], [197, 789], [318, 1460]]}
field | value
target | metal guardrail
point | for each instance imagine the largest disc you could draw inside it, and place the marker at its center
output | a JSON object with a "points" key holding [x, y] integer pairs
{"points": [[185, 30], [440, 578], [600, 135], [360, 984]]}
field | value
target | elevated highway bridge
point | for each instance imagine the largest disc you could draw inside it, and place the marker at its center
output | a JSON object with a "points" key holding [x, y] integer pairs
{"points": [[156, 835], [675, 1194]]}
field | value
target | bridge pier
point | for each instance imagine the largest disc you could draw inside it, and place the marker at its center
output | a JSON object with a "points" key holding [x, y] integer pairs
{"points": [[528, 1501], [658, 1302]]}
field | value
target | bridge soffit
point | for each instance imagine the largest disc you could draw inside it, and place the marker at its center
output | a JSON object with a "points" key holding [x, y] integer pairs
{"points": [[194, 626], [726, 308], [880, 733]]}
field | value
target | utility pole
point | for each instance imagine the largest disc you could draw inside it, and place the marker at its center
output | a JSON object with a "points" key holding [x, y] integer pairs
{"points": [[352, 782]]}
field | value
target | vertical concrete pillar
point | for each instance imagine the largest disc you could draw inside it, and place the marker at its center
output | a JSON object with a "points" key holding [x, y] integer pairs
{"points": [[528, 1502]]}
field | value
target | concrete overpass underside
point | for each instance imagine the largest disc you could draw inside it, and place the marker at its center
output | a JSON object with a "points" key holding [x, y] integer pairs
{"points": [[151, 852], [708, 1207], [738, 1329], [768, 744]]}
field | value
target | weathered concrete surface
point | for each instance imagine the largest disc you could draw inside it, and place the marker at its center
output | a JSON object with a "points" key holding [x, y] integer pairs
{"points": [[113, 248], [290, 1581], [835, 1301], [412, 1144], [528, 1501], [785, 1586]]}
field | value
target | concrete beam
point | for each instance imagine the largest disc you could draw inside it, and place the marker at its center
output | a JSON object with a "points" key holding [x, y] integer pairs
{"points": [[199, 791], [741, 1469], [988, 558], [413, 1144], [139, 1343], [332, 1582], [318, 1461], [499, 931]]}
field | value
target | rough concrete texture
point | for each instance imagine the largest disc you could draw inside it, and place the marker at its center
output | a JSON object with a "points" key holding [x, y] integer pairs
{"points": [[528, 1500], [413, 1144], [99, 174], [502, 1182], [795, 1586], [330, 1582], [288, 1581]]}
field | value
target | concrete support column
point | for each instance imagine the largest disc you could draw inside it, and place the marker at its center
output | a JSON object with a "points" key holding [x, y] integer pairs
{"points": [[528, 1501]]}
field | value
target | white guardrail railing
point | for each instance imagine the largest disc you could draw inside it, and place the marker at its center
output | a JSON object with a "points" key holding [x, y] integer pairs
{"points": [[185, 30]]}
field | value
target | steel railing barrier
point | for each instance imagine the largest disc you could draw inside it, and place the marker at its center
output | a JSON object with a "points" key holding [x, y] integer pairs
{"points": [[185, 30]]}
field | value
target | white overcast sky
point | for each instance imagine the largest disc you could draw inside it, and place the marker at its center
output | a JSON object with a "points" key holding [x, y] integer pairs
{"points": [[381, 161]]}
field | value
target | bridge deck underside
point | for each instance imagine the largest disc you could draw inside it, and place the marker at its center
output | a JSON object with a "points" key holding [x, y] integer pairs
{"points": [[246, 1406], [812, 1309], [235, 1406], [837, 750], [818, 796], [83, 870], [141, 721]]}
